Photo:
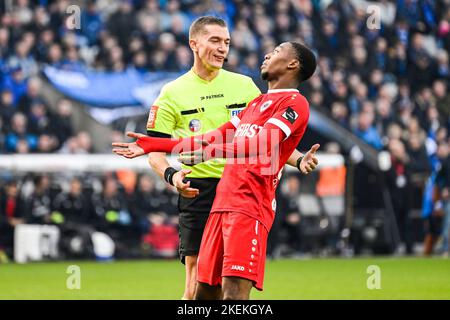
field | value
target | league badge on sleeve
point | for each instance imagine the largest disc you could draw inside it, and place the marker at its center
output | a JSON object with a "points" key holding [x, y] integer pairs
{"points": [[290, 115]]}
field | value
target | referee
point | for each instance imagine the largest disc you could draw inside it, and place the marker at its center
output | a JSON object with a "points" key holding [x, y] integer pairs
{"points": [[199, 101]]}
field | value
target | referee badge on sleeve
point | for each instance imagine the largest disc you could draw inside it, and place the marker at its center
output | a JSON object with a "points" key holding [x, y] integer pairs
{"points": [[152, 117], [290, 115], [195, 125]]}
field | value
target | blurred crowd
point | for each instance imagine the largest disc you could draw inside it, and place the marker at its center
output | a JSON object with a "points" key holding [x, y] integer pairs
{"points": [[139, 215], [386, 81]]}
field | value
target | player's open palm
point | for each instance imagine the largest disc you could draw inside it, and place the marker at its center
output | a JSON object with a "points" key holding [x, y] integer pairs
{"points": [[129, 149], [309, 161], [191, 158], [183, 186]]}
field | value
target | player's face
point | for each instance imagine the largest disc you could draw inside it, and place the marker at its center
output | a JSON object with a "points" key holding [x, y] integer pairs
{"points": [[212, 46], [276, 63]]}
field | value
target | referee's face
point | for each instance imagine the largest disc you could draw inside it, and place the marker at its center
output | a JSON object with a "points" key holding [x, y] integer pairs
{"points": [[212, 46]]}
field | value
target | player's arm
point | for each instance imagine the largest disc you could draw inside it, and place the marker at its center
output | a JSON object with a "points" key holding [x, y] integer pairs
{"points": [[145, 144], [305, 163], [161, 123], [157, 160]]}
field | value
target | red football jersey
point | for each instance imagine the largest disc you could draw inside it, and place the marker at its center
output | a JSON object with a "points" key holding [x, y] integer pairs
{"points": [[248, 185]]}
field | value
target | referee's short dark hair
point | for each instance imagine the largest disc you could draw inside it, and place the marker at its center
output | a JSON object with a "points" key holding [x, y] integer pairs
{"points": [[307, 61], [200, 23]]}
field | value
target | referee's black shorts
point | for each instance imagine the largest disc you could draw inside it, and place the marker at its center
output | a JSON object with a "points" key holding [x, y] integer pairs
{"points": [[194, 213]]}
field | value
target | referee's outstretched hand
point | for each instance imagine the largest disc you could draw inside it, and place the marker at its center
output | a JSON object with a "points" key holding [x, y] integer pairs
{"points": [[129, 149], [184, 188]]}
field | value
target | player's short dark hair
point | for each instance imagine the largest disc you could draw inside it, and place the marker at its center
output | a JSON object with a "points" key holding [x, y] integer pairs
{"points": [[307, 61], [199, 24]]}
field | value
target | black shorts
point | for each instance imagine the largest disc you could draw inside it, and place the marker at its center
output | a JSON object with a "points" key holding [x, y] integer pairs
{"points": [[194, 214]]}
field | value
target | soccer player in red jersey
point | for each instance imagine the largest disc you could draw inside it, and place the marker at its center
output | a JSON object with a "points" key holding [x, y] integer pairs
{"points": [[233, 249]]}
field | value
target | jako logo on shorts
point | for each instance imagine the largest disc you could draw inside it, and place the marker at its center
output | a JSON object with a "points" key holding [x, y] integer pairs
{"points": [[236, 267]]}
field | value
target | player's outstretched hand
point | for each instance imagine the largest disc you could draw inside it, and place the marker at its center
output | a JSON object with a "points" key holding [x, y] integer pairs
{"points": [[191, 158], [309, 161], [129, 149], [184, 188]]}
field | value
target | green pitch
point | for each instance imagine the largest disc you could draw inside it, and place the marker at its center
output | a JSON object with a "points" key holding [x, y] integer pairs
{"points": [[401, 278]]}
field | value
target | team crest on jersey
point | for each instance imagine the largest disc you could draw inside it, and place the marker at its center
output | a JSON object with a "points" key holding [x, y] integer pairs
{"points": [[152, 117], [290, 115], [265, 105], [194, 125]]}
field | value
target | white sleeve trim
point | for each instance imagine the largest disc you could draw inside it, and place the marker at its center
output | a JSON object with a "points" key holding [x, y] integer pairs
{"points": [[280, 124], [235, 121]]}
